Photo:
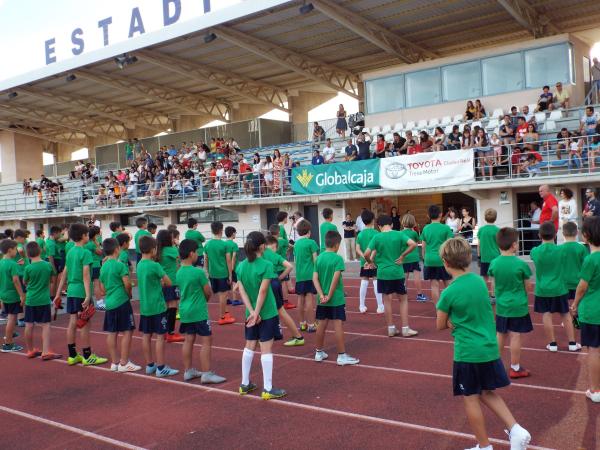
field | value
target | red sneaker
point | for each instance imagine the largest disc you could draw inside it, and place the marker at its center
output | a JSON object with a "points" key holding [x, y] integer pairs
{"points": [[521, 373], [175, 337], [226, 319], [288, 305], [34, 353], [50, 356]]}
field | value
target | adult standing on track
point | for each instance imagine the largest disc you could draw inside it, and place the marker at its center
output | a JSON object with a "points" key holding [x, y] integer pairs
{"points": [[360, 225], [549, 207], [395, 219], [592, 206], [350, 237], [567, 210]]}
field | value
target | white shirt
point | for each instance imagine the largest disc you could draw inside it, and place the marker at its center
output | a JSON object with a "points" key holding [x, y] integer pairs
{"points": [[360, 225], [567, 210], [453, 223], [329, 153], [535, 217]]}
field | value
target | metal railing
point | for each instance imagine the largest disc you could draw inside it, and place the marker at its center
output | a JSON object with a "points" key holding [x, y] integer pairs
{"points": [[592, 97]]}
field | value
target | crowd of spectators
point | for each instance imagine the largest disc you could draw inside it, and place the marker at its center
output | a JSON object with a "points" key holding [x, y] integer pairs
{"points": [[46, 191]]}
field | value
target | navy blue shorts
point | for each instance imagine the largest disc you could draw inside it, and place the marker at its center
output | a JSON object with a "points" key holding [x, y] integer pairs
{"points": [[95, 273], [331, 312], [514, 324], [12, 308], [37, 314], [170, 293], [473, 378], [368, 273], [201, 328], [200, 261], [156, 324], [483, 269], [277, 292], [265, 331], [435, 273], [590, 335], [572, 294], [74, 305], [305, 287], [119, 319], [234, 277], [411, 267], [220, 285], [552, 304], [59, 265], [391, 287], [23, 287]]}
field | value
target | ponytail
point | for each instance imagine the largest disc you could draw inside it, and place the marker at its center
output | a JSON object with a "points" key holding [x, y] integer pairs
{"points": [[253, 242]]}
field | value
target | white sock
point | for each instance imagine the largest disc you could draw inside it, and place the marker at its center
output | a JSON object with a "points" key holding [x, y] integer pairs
{"points": [[364, 285], [247, 358], [392, 328], [267, 368], [488, 447], [515, 366], [378, 296]]}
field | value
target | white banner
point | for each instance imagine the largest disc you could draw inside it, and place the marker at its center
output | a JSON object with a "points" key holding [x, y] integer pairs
{"points": [[426, 170]]}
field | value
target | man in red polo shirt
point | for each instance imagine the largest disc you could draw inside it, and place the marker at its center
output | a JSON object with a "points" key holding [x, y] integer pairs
{"points": [[550, 206]]}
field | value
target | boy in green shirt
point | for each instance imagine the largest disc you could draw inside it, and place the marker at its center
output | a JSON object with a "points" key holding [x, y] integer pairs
{"points": [[94, 246], [40, 238], [551, 293], [282, 220], [509, 276], [115, 282], [153, 309], [11, 293], [116, 229], [367, 271], [168, 258], [37, 302], [587, 305], [465, 309], [193, 234], [574, 253], [22, 261], [412, 260], [193, 311], [233, 250], [326, 226], [79, 295], [218, 263], [142, 224], [282, 249], [124, 240], [387, 251], [305, 255], [53, 254], [487, 248], [432, 237], [327, 278]]}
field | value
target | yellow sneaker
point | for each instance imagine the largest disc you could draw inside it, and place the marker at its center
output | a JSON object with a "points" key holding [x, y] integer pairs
{"points": [[76, 360], [273, 393], [93, 360]]}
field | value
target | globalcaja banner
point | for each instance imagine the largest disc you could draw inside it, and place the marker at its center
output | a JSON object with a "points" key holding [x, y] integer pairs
{"points": [[338, 177]]}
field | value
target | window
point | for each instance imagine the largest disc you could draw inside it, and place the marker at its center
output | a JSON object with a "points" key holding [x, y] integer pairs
{"points": [[385, 94], [423, 88], [47, 159], [547, 66], [502, 74], [461, 81], [208, 215], [82, 153], [157, 220]]}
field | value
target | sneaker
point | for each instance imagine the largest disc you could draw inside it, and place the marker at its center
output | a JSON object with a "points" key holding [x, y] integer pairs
{"points": [[226, 320], [422, 298], [237, 303], [552, 348], [34, 353], [492, 300], [477, 447], [380, 309], [593, 396], [346, 360], [15, 335], [166, 372], [10, 348], [50, 356], [393, 332], [190, 374], [75, 360], [229, 301], [409, 333], [246, 388], [177, 317], [94, 360], [303, 326], [521, 373], [294, 342], [312, 328], [100, 305], [289, 305], [575, 348], [212, 378], [21, 323], [114, 367], [129, 367], [362, 309], [273, 393], [519, 437], [175, 337], [150, 369], [321, 356]]}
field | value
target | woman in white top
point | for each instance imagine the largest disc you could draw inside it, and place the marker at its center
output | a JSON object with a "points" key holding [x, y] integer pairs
{"points": [[267, 170], [452, 220], [567, 211]]}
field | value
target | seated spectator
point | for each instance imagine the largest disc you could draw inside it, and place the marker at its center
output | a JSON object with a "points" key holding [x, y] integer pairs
{"points": [[317, 159], [521, 130], [466, 141], [398, 144], [546, 99], [351, 151], [329, 152], [234, 145], [469, 111], [563, 141], [425, 141], [594, 152], [561, 97], [454, 139], [529, 116], [496, 145], [172, 151], [439, 140], [589, 121], [226, 162], [479, 110], [404, 148], [532, 159], [506, 130], [380, 147], [363, 142], [514, 117], [318, 134], [413, 148], [202, 154], [530, 138], [576, 152]]}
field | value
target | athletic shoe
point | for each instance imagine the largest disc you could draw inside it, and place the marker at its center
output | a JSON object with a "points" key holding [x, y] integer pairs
{"points": [[422, 298], [229, 301], [312, 328], [34, 353], [15, 335], [3, 320], [552, 348], [50, 356], [346, 360], [492, 300], [190, 374], [477, 447], [321, 356], [20, 323], [246, 388], [237, 303], [294, 342], [177, 316], [100, 305], [129, 367], [212, 378], [166, 372], [114, 367], [175, 337], [575, 348], [519, 437], [94, 360], [150, 369], [273, 393], [393, 332], [362, 309], [288, 305], [303, 326], [593, 396], [521, 373], [409, 333], [226, 320], [380, 309], [9, 348], [75, 360]]}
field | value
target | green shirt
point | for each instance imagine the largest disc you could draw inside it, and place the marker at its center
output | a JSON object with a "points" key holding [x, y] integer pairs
{"points": [[548, 270], [323, 229], [21, 257], [283, 245], [111, 276], [92, 247], [169, 260], [589, 307], [8, 269], [304, 248], [37, 278], [42, 243], [192, 306], [149, 275], [510, 274], [413, 256], [251, 275], [233, 249], [467, 303], [61, 248], [573, 254], [328, 263], [488, 248], [68, 246], [114, 234], [52, 249], [77, 258], [275, 259], [364, 239], [434, 235], [282, 233], [195, 235], [389, 246], [216, 251], [124, 258], [138, 234]]}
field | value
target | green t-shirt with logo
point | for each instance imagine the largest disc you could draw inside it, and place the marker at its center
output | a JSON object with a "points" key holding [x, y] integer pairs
{"points": [[68, 246], [8, 269], [328, 263], [37, 279], [304, 248], [589, 307], [488, 248], [198, 237], [283, 245], [92, 246], [216, 251], [192, 306], [364, 239], [124, 258], [573, 255], [434, 235], [149, 276], [510, 274], [233, 249], [548, 270], [77, 258], [467, 303], [323, 229], [21, 256], [282, 233], [169, 261], [251, 275], [413, 256], [136, 238], [111, 276], [52, 249], [389, 246], [42, 243], [275, 259]]}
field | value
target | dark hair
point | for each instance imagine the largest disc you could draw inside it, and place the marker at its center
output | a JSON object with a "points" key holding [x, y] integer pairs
{"points": [[506, 237], [174, 233], [367, 216], [123, 238], [274, 230], [153, 226], [281, 216], [332, 238], [230, 231], [547, 231], [77, 231], [327, 213], [192, 222], [546, 87], [216, 227], [110, 245], [591, 230], [434, 212], [114, 226], [146, 244], [6, 245], [384, 220], [568, 192], [39, 232], [20, 233], [164, 238], [93, 231], [55, 229], [569, 229], [303, 228], [9, 233], [271, 240], [171, 227], [33, 249], [186, 247], [253, 242], [140, 222]]}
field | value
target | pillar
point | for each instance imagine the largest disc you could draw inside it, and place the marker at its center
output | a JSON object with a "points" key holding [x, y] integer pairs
{"points": [[301, 104], [21, 156], [246, 111], [190, 122]]}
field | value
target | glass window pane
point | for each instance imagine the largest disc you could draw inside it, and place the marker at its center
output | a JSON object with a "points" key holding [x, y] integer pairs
{"points": [[502, 74], [224, 215], [385, 94], [547, 66], [461, 81], [423, 88]]}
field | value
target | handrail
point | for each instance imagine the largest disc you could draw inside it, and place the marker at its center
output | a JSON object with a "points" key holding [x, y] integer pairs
{"points": [[592, 94]]}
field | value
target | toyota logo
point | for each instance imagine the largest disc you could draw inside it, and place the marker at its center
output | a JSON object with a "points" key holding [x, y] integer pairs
{"points": [[395, 170]]}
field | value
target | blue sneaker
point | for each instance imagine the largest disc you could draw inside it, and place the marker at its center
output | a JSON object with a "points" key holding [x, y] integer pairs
{"points": [[10, 348], [150, 369], [229, 301], [21, 323], [166, 372], [422, 298], [15, 334], [237, 303]]}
